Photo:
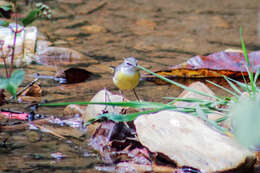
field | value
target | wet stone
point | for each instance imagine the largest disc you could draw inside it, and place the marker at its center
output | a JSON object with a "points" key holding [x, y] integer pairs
{"points": [[188, 141]]}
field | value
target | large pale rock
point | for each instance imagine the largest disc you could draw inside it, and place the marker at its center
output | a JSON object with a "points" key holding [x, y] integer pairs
{"points": [[188, 141]]}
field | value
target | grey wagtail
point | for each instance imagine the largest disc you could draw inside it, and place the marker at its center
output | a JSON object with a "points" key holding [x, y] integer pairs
{"points": [[127, 76]]}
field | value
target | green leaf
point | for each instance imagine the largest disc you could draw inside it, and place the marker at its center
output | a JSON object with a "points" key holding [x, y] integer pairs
{"points": [[11, 88], [34, 14], [3, 83], [17, 77], [133, 104], [256, 75], [249, 67], [223, 88]]}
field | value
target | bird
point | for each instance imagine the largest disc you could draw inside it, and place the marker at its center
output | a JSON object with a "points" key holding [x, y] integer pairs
{"points": [[127, 76]]}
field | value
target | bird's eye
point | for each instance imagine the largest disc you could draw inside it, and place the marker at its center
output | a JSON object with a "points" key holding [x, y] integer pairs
{"points": [[129, 63]]}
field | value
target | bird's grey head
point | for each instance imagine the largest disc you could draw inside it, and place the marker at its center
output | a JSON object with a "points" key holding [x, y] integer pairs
{"points": [[130, 61]]}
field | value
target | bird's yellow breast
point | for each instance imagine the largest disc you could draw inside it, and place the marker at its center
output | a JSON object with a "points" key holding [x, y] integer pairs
{"points": [[126, 81]]}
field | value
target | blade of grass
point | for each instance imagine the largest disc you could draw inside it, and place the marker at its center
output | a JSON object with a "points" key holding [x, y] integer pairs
{"points": [[212, 123], [246, 85], [223, 88], [252, 84], [243, 86], [133, 104], [191, 100], [256, 75], [249, 66], [219, 120], [178, 84], [244, 47], [123, 117], [233, 86]]}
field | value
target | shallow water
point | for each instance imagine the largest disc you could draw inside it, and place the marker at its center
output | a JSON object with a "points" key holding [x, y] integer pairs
{"points": [[158, 33]]}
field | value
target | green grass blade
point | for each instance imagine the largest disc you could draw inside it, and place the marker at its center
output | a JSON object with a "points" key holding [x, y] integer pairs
{"points": [[243, 86], [251, 80], [219, 120], [249, 66], [133, 104], [177, 84], [257, 75], [124, 117], [246, 85], [191, 100], [212, 123], [233, 86], [244, 47], [223, 88]]}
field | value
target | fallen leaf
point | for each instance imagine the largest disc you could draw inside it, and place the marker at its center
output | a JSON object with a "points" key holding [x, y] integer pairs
{"points": [[232, 64], [77, 75], [34, 91]]}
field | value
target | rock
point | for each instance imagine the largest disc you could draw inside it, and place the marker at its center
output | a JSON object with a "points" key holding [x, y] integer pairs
{"points": [[188, 141], [93, 29], [94, 110], [104, 95], [72, 110]]}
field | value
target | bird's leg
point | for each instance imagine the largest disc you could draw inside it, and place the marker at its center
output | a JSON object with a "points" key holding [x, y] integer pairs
{"points": [[136, 96]]}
